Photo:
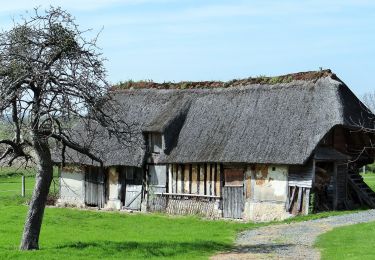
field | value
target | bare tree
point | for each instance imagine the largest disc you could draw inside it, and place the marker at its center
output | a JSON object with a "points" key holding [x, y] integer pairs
{"points": [[369, 101], [367, 126], [50, 74]]}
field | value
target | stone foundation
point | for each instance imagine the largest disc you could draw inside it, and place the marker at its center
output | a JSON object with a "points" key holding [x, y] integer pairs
{"points": [[265, 211], [113, 204]]}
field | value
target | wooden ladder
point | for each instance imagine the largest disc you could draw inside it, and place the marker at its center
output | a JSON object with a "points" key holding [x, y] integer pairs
{"points": [[364, 192]]}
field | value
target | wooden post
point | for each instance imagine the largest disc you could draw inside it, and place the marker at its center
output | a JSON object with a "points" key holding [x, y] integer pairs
{"points": [[299, 199], [201, 180], [23, 186], [307, 201], [335, 194], [180, 182], [59, 175], [170, 178]]}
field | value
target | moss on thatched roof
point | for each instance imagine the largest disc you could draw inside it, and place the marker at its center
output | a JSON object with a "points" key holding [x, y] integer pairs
{"points": [[262, 80]]}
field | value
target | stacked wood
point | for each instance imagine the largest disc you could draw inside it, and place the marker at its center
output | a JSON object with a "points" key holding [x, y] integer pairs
{"points": [[322, 180], [157, 203], [299, 200], [203, 206]]}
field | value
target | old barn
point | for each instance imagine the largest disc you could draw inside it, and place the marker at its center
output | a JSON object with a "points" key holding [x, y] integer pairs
{"points": [[254, 149]]}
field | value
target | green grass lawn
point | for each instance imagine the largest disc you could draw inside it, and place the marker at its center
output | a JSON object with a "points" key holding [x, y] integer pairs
{"points": [[351, 242], [369, 178], [78, 234], [71, 233]]}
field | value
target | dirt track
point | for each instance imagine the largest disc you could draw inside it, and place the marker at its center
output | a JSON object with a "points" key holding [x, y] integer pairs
{"points": [[289, 241]]}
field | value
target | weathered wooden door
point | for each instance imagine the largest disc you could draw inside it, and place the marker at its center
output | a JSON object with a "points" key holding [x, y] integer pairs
{"points": [[233, 202], [133, 197], [131, 187], [158, 178], [233, 193], [101, 187], [91, 186]]}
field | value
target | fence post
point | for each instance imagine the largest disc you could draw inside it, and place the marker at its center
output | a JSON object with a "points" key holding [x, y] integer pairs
{"points": [[23, 186]]}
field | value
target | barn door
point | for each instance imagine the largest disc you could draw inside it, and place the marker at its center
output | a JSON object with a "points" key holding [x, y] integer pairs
{"points": [[101, 187], [233, 193], [133, 197], [91, 186], [131, 183]]}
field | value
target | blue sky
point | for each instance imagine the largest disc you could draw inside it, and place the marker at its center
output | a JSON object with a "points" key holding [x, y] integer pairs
{"points": [[174, 40]]}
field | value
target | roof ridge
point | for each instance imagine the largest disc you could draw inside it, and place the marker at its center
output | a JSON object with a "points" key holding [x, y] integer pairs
{"points": [[262, 80]]}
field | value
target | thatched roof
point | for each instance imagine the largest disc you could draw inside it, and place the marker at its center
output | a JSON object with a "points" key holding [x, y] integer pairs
{"points": [[280, 121]]}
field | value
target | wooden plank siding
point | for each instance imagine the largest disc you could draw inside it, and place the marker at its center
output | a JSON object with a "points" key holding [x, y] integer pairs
{"points": [[199, 179], [301, 176], [233, 202]]}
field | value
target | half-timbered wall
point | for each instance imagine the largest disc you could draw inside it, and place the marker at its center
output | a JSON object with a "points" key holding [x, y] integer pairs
{"points": [[200, 179], [190, 189]]}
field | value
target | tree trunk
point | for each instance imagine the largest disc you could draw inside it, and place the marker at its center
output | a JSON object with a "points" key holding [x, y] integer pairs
{"points": [[30, 237]]}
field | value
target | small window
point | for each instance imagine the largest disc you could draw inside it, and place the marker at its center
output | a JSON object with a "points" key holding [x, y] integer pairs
{"points": [[156, 144], [234, 177], [129, 173], [158, 175]]}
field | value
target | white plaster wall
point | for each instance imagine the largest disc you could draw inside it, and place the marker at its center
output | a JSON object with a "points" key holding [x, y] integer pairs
{"points": [[269, 193], [72, 189], [270, 184], [113, 183], [113, 189]]}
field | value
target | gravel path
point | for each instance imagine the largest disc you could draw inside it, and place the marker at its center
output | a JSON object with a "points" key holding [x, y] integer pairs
{"points": [[289, 241]]}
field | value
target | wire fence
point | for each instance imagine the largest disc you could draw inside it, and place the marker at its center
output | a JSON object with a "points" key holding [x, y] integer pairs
{"points": [[15, 191], [23, 186]]}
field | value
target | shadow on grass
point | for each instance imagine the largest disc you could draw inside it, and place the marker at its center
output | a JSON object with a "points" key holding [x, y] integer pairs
{"points": [[149, 249], [262, 248]]}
